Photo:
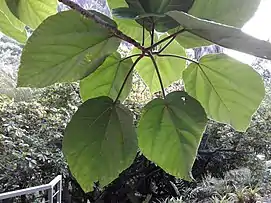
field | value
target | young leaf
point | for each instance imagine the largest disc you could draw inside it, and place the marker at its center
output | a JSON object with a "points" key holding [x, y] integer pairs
{"points": [[229, 90], [64, 52], [151, 8], [223, 35], [99, 142], [230, 12], [32, 12], [170, 132], [10, 25], [170, 68], [108, 79]]}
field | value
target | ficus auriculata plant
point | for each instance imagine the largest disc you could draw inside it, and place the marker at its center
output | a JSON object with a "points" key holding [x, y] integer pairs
{"points": [[101, 140]]}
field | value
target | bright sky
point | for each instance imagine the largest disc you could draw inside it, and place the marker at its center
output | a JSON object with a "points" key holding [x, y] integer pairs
{"points": [[259, 26]]}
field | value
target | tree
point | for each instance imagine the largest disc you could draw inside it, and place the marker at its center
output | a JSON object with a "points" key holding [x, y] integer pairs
{"points": [[101, 140]]}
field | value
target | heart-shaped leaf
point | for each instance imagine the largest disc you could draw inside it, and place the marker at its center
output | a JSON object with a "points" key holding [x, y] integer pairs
{"points": [[64, 53], [108, 79], [99, 142], [229, 90], [170, 131]]}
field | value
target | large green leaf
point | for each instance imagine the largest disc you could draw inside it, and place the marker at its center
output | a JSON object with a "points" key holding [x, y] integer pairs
{"points": [[10, 25], [170, 68], [170, 131], [99, 142], [223, 35], [229, 12], [150, 8], [64, 53], [161, 6], [32, 12], [108, 79], [229, 90]]}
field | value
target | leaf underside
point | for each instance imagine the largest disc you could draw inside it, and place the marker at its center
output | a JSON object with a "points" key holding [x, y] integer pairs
{"points": [[229, 90], [170, 131], [64, 53], [99, 142]]}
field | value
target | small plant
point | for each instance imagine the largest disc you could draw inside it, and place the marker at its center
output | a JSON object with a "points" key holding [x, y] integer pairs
{"points": [[101, 140], [173, 200], [221, 199]]}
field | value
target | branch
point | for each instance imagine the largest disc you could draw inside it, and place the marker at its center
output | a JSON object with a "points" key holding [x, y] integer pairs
{"points": [[103, 23], [158, 74]]}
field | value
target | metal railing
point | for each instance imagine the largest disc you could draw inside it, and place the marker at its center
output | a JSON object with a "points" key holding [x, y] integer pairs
{"points": [[54, 189]]}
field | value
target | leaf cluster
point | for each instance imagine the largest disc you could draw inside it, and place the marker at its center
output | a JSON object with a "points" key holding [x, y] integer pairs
{"points": [[80, 45]]}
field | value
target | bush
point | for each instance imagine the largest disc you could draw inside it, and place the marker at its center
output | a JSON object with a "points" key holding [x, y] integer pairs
{"points": [[30, 137]]}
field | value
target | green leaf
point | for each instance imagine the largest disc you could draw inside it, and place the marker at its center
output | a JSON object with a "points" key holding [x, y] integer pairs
{"points": [[32, 12], [116, 3], [170, 131], [223, 35], [229, 90], [170, 68], [99, 142], [151, 8], [13, 20], [64, 53], [231, 12], [108, 79], [131, 28], [10, 25], [189, 40], [126, 13], [161, 6]]}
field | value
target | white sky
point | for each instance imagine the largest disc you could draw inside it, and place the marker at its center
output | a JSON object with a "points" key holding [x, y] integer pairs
{"points": [[259, 26]]}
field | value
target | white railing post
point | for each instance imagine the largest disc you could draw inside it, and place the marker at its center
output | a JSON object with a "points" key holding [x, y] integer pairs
{"points": [[51, 195], [47, 187], [59, 189]]}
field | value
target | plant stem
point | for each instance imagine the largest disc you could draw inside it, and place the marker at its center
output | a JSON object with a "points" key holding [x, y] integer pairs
{"points": [[88, 14], [152, 34], [158, 74], [167, 44], [128, 57], [143, 33], [128, 75], [165, 39], [176, 56]]}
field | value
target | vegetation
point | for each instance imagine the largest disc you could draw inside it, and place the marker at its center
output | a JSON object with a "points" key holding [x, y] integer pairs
{"points": [[106, 141]]}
